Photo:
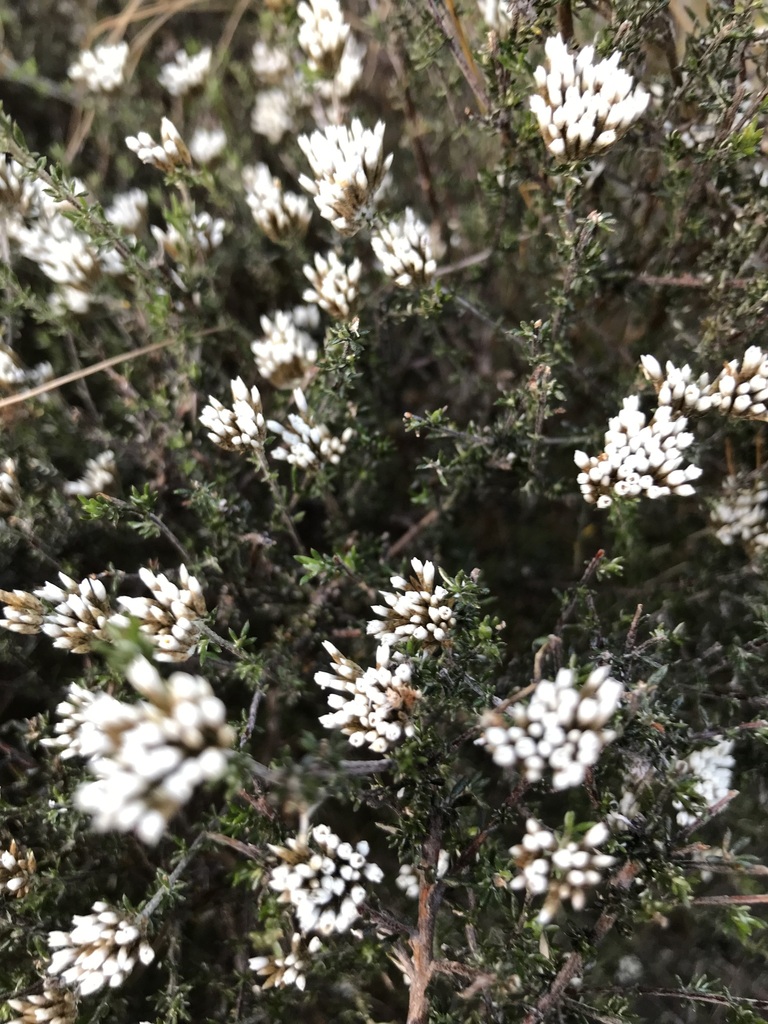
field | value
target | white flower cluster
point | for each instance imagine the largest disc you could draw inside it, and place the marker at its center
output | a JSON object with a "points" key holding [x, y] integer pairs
{"points": [[148, 757], [583, 107], [420, 610], [75, 614], [740, 514], [739, 389], [17, 866], [404, 251], [288, 969], [10, 495], [273, 114], [101, 69], [270, 64], [128, 210], [64, 254], [101, 948], [639, 458], [172, 617], [99, 476], [169, 155], [323, 879], [323, 34], [71, 731], [349, 167], [286, 354], [306, 443], [203, 233], [372, 706], [562, 868], [561, 728], [207, 144], [56, 1004], [282, 216], [241, 428], [334, 285], [13, 376], [712, 770], [185, 73], [407, 881]]}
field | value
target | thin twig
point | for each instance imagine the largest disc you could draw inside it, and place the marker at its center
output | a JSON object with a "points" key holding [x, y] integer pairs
{"points": [[169, 535], [174, 876], [451, 29]]}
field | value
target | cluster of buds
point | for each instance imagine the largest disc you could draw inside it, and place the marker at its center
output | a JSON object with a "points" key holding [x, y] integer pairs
{"points": [[128, 210], [148, 757], [101, 949], [639, 459], [241, 428], [101, 69], [712, 771], [282, 216], [74, 614], [72, 730], [561, 728], [185, 73], [419, 610], [171, 154], [17, 866], [334, 285], [56, 1004], [99, 477], [285, 969], [286, 354], [10, 495], [203, 233], [172, 617], [323, 879], [561, 868], [305, 443], [740, 389], [349, 167], [323, 34], [207, 144], [740, 514], [404, 251], [372, 706], [583, 107]]}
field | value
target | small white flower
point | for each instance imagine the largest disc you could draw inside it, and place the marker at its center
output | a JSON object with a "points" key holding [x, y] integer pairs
{"points": [[185, 73], [203, 234], [271, 64], [323, 879], [102, 948], [306, 443], [404, 251], [101, 69], [240, 428], [282, 216], [10, 495], [99, 476], [639, 459], [74, 614], [583, 107], [148, 757], [563, 869], [334, 285], [207, 144], [171, 617], [562, 728], [171, 154], [740, 514], [17, 866], [712, 769], [419, 609], [56, 1004], [289, 968], [128, 210], [273, 114], [285, 354], [371, 707], [323, 34], [349, 167]]}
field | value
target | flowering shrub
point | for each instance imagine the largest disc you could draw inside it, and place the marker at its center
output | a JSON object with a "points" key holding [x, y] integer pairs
{"points": [[383, 511]]}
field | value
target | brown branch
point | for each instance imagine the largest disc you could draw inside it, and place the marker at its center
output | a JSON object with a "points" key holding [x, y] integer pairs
{"points": [[450, 26], [421, 964], [696, 997], [729, 901]]}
